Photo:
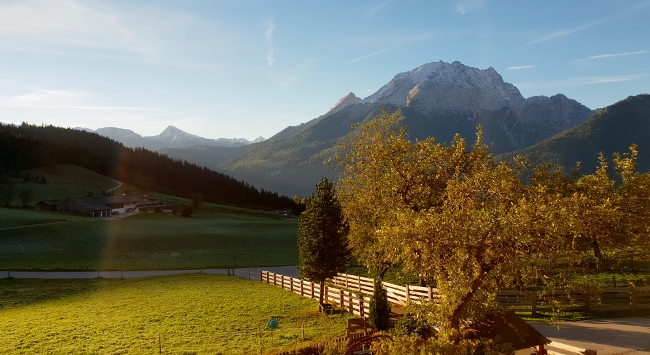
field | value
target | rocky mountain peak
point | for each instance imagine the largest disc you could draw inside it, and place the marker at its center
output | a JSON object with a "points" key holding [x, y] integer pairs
{"points": [[172, 133], [449, 87], [348, 99]]}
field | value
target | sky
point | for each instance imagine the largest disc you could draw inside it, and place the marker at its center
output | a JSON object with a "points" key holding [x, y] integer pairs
{"points": [[244, 69]]}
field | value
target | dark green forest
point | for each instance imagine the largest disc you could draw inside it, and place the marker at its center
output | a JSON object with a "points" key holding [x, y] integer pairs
{"points": [[28, 146]]}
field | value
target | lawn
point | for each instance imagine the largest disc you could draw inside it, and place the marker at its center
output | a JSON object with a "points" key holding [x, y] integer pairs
{"points": [[214, 237], [192, 314], [62, 182]]}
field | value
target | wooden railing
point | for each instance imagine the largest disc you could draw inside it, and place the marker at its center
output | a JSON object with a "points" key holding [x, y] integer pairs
{"points": [[399, 295], [345, 300], [348, 290]]}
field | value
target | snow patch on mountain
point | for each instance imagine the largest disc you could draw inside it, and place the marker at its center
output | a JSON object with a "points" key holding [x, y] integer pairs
{"points": [[451, 87]]}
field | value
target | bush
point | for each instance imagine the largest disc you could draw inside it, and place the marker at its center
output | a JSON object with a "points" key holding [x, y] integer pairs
{"points": [[187, 211], [379, 308]]}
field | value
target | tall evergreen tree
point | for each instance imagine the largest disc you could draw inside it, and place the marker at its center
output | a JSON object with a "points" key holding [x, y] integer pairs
{"points": [[322, 236]]}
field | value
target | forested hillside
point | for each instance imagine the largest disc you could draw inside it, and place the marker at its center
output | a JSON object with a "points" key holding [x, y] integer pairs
{"points": [[612, 130], [28, 146]]}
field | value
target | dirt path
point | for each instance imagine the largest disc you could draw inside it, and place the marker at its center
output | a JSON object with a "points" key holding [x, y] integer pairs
{"points": [[33, 225], [608, 336], [252, 273], [119, 184]]}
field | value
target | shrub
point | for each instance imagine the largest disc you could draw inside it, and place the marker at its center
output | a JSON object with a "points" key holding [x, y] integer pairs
{"points": [[379, 308]]}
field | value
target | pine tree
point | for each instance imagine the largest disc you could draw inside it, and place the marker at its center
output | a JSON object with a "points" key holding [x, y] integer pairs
{"points": [[322, 237], [379, 308]]}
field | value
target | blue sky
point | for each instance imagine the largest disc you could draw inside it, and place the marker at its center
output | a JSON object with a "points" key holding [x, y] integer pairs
{"points": [[251, 68]]}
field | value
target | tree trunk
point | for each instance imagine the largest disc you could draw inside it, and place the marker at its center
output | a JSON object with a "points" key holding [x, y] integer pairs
{"points": [[598, 254]]}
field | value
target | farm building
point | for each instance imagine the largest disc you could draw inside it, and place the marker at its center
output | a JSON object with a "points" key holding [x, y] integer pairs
{"points": [[48, 205], [101, 206]]}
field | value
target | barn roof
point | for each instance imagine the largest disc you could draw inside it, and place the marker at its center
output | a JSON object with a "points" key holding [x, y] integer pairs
{"points": [[510, 328]]}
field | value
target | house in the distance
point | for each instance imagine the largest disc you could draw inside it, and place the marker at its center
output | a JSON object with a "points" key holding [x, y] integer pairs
{"points": [[48, 205], [104, 206]]}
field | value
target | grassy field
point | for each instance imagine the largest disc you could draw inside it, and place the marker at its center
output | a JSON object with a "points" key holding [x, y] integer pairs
{"points": [[192, 314], [214, 237], [63, 182]]}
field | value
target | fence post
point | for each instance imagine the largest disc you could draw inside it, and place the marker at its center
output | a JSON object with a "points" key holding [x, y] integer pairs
{"points": [[359, 282], [262, 276], [350, 303], [347, 284], [291, 284], [282, 280], [275, 279], [312, 290], [533, 303], [587, 301], [361, 306], [341, 300], [301, 287], [633, 304], [430, 293], [408, 294]]}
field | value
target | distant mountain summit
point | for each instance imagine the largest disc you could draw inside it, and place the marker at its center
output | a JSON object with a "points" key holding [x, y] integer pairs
{"points": [[348, 99], [449, 87], [436, 100], [171, 137]]}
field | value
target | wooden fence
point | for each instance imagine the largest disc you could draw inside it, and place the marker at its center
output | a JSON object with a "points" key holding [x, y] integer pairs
{"points": [[348, 290], [345, 300]]}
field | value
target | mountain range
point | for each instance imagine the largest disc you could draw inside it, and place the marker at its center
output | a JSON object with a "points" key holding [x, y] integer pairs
{"points": [[171, 137], [436, 99]]}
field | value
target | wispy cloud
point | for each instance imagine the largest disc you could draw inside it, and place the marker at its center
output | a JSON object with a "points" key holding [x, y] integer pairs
{"points": [[284, 80], [74, 24], [268, 35], [521, 67], [376, 8], [466, 6], [562, 33], [590, 80], [411, 40], [614, 55]]}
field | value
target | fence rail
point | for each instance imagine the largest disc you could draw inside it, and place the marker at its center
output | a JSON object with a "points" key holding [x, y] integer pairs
{"points": [[346, 291], [345, 300]]}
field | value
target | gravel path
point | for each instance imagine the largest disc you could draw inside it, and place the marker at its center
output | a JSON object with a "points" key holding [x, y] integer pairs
{"points": [[629, 336], [252, 273]]}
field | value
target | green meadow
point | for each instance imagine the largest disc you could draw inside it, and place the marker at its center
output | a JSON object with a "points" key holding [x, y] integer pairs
{"points": [[63, 181], [214, 237], [185, 314]]}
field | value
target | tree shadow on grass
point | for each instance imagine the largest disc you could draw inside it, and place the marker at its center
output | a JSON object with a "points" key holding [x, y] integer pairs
{"points": [[17, 293]]}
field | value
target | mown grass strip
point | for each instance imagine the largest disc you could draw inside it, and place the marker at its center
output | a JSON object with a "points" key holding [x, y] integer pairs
{"points": [[192, 314]]}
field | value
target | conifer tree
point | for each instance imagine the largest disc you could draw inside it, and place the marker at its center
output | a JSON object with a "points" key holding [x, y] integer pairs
{"points": [[379, 307], [322, 236]]}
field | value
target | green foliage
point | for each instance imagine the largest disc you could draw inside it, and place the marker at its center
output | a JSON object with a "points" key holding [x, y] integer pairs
{"points": [[26, 195], [414, 344], [473, 227], [322, 236], [379, 316], [204, 314]]}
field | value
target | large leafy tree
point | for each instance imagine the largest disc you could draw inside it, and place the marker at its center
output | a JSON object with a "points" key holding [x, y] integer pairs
{"points": [[453, 215], [322, 236]]}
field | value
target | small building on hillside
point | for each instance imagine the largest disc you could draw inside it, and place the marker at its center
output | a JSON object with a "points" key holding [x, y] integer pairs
{"points": [[48, 205], [149, 200], [103, 206]]}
